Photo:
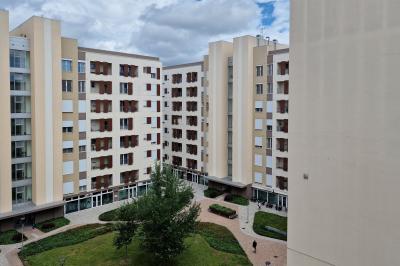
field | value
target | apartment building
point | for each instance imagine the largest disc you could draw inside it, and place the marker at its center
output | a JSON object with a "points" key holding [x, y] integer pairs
{"points": [[183, 120], [31, 165], [344, 133], [82, 126]]}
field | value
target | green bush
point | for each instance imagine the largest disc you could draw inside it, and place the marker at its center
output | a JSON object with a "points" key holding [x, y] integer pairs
{"points": [[222, 210], [212, 193], [220, 238], [10, 237], [109, 216], [52, 224], [237, 199], [66, 238], [263, 219]]}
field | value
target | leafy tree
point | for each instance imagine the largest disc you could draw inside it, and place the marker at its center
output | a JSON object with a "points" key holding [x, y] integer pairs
{"points": [[165, 215], [126, 229]]}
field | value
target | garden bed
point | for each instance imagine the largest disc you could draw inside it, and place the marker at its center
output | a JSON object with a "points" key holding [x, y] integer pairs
{"points": [[222, 211], [52, 224], [10, 237], [212, 193], [265, 223], [237, 199], [109, 216]]}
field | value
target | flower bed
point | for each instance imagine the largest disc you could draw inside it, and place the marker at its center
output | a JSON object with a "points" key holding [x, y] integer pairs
{"points": [[223, 211]]}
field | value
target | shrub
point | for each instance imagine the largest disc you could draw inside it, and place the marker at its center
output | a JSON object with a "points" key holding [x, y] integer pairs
{"points": [[10, 237], [52, 224], [237, 199], [212, 193], [222, 210], [67, 238], [112, 215]]}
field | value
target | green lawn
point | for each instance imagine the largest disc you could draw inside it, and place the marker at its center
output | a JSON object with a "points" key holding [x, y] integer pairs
{"points": [[52, 224], [262, 219], [237, 199], [100, 251], [10, 237]]}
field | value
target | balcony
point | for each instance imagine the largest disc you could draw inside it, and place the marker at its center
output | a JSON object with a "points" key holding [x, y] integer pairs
{"points": [[282, 144], [99, 144], [176, 78], [128, 70], [191, 77], [191, 91], [101, 106], [283, 68], [129, 177], [283, 87], [129, 141], [21, 127], [20, 82], [20, 104], [101, 182], [191, 106], [282, 163], [282, 107], [103, 68], [177, 161], [176, 106], [101, 87], [128, 106], [21, 171], [176, 92], [102, 162], [191, 149], [176, 119], [191, 134], [176, 147], [282, 183], [282, 125], [191, 120], [101, 125], [21, 149], [19, 59]]}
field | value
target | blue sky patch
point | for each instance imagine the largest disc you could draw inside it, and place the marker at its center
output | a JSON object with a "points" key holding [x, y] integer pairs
{"points": [[267, 10]]}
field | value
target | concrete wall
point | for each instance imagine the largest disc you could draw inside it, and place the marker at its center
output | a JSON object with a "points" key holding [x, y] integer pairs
{"points": [[344, 133]]}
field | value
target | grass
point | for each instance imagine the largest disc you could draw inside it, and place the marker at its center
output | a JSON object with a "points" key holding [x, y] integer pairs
{"points": [[237, 199], [67, 238], [212, 193], [100, 251], [220, 238], [52, 224], [262, 219], [10, 237], [109, 216]]}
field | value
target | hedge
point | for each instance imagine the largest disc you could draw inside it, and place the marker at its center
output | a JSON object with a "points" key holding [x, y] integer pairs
{"points": [[237, 199], [212, 193], [222, 210], [52, 224]]}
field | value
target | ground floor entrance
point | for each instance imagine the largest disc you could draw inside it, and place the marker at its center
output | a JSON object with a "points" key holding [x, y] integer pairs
{"points": [[270, 197], [190, 176]]}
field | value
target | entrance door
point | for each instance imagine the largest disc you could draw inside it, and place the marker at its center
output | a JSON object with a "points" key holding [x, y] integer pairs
{"points": [[96, 200], [132, 192]]}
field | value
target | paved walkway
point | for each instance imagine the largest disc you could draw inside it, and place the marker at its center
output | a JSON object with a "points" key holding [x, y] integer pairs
{"points": [[267, 249]]}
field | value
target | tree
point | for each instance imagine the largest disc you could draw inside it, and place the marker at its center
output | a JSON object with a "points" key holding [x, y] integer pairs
{"points": [[126, 229], [165, 215]]}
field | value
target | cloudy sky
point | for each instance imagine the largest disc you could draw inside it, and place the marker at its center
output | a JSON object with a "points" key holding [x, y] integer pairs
{"points": [[178, 31]]}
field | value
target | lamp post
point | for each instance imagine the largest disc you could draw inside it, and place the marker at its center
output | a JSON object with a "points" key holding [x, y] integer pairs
{"points": [[22, 234]]}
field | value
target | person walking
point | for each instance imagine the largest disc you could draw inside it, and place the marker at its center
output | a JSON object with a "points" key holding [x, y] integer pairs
{"points": [[255, 246]]}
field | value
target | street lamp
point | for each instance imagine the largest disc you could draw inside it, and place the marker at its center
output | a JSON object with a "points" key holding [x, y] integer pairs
{"points": [[22, 234]]}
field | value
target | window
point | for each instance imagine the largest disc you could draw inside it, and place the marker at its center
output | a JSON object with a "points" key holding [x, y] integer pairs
{"points": [[259, 106], [269, 143], [258, 160], [82, 148], [270, 69], [68, 150], [81, 86], [123, 159], [259, 71], [258, 142], [19, 82], [258, 177], [165, 104], [21, 194], [66, 65], [123, 123], [67, 106], [123, 88], [67, 129], [19, 59], [66, 85], [270, 88], [259, 88], [269, 180], [165, 117], [21, 171], [165, 77], [81, 67], [68, 167], [269, 161], [258, 124], [270, 106]]}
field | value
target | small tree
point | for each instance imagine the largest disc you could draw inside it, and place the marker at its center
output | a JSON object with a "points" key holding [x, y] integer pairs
{"points": [[165, 215], [126, 229]]}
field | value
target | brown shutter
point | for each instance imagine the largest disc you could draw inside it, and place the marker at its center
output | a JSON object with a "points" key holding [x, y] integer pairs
{"points": [[130, 158], [148, 120], [286, 87], [105, 68], [97, 144], [158, 106], [148, 87], [101, 87], [98, 184], [126, 141], [148, 103], [109, 124], [148, 154], [158, 154], [130, 123], [158, 122], [105, 106], [130, 90], [148, 137], [109, 87], [101, 162], [188, 77], [97, 66], [97, 106], [126, 106], [126, 70], [101, 122], [110, 163], [158, 73], [148, 70], [158, 138], [158, 90]]}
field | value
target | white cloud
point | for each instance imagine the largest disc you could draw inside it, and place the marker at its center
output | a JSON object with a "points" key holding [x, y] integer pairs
{"points": [[177, 31]]}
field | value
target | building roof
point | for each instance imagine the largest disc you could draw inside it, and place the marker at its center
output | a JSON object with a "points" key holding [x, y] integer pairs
{"points": [[100, 51], [184, 65]]}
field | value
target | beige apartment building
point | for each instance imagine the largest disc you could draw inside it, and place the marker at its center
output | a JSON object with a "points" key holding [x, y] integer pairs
{"points": [[81, 126], [183, 120], [344, 133]]}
